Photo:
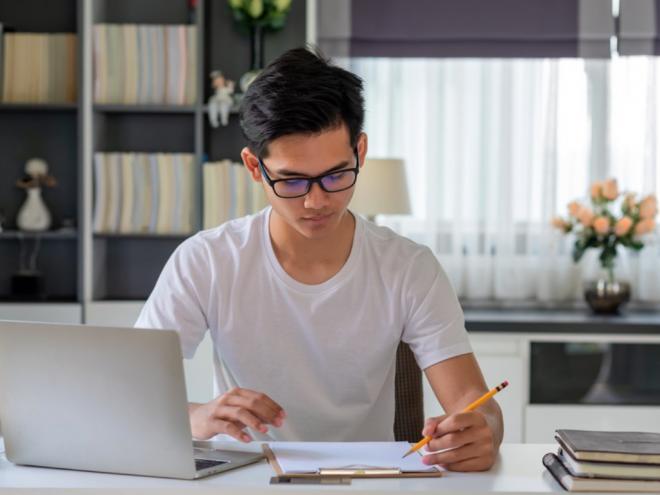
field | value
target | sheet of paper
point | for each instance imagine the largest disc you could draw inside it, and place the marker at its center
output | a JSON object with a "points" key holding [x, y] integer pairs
{"points": [[309, 457]]}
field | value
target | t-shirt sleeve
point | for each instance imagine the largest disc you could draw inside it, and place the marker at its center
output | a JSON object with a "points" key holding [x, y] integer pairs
{"points": [[179, 299], [435, 327]]}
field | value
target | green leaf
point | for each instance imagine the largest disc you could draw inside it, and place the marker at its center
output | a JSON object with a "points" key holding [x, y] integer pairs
{"points": [[277, 21], [578, 251]]}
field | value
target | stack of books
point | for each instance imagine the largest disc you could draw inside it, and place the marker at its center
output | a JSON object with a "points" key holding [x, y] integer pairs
{"points": [[145, 64], [229, 192], [39, 68], [606, 461], [144, 193]]}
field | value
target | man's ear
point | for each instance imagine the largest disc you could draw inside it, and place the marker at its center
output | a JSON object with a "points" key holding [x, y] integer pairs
{"points": [[251, 162], [362, 145]]}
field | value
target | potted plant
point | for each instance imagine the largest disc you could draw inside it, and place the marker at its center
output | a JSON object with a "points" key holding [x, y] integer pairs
{"points": [[611, 220], [257, 17]]}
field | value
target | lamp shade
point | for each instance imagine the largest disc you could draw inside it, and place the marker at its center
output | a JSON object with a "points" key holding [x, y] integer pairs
{"points": [[381, 188]]}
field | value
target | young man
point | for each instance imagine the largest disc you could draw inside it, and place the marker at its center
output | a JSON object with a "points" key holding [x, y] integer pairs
{"points": [[306, 303]]}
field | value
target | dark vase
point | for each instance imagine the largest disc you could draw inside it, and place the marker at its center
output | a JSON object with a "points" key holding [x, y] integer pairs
{"points": [[606, 296], [256, 48], [256, 57]]}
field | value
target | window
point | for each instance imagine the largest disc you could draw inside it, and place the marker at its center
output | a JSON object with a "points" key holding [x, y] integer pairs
{"points": [[494, 148]]}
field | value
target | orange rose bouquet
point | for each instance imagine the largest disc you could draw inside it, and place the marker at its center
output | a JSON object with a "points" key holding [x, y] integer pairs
{"points": [[612, 219]]}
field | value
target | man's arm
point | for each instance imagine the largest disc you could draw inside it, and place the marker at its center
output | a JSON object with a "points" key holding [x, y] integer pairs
{"points": [[179, 301], [475, 436]]}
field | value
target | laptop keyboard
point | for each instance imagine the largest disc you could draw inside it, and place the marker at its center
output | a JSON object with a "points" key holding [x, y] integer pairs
{"points": [[206, 463]]}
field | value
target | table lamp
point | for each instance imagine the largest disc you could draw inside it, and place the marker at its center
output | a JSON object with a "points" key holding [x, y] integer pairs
{"points": [[381, 188]]}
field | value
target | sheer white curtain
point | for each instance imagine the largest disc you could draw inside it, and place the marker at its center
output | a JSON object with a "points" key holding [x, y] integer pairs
{"points": [[495, 148]]}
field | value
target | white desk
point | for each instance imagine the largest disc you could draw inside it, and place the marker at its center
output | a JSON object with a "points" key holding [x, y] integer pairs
{"points": [[518, 470]]}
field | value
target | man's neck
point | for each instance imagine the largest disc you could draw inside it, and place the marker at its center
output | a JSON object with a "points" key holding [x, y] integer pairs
{"points": [[307, 260]]}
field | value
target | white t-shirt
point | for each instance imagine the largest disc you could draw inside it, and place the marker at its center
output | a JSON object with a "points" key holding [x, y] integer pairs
{"points": [[326, 353]]}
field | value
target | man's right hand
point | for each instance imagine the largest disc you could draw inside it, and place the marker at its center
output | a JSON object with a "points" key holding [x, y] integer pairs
{"points": [[232, 412]]}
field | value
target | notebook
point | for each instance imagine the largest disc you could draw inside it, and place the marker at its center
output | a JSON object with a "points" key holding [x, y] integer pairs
{"points": [[578, 484], [611, 446], [608, 469], [351, 459]]}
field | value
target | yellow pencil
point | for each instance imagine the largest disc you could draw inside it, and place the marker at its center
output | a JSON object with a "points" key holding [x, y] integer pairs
{"points": [[471, 407]]}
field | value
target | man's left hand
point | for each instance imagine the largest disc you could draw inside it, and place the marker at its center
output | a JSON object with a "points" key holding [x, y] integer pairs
{"points": [[469, 437]]}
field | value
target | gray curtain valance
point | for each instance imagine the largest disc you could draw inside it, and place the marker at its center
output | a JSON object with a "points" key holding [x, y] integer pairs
{"points": [[639, 32], [465, 28]]}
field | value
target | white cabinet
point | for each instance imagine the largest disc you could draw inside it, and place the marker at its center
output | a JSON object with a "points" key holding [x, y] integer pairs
{"points": [[542, 420], [562, 369], [500, 358], [113, 313], [48, 312], [199, 372]]}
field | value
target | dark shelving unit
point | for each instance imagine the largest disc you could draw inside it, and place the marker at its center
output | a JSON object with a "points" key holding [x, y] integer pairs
{"points": [[79, 265], [50, 131]]}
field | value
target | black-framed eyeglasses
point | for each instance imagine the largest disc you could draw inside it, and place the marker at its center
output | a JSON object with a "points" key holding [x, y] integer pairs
{"points": [[334, 181]]}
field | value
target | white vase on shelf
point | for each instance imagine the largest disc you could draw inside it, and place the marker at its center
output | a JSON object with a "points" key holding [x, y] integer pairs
{"points": [[33, 215]]}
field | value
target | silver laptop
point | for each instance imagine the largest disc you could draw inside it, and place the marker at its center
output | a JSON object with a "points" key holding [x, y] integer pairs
{"points": [[100, 399]]}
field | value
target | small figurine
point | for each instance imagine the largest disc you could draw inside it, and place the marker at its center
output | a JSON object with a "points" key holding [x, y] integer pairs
{"points": [[34, 215], [221, 102]]}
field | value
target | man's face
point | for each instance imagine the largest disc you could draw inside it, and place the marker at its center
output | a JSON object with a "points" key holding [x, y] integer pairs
{"points": [[318, 213]]}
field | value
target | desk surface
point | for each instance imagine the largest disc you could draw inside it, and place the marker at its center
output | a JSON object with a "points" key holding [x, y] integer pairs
{"points": [[518, 470]]}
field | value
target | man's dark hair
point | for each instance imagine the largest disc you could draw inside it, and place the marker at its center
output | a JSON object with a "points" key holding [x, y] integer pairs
{"points": [[300, 93]]}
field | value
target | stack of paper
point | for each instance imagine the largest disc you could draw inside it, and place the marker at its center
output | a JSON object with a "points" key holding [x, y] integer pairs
{"points": [[318, 457]]}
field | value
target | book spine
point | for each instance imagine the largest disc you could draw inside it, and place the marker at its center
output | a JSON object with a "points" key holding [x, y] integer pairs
{"points": [[166, 193], [127, 192], [113, 64], [3, 58], [183, 64], [160, 70], [191, 58], [100, 199], [131, 68], [147, 192], [177, 190], [155, 193], [137, 192], [8, 67]]}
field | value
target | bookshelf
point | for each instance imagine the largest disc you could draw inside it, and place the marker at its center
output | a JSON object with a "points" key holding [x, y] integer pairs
{"points": [[84, 269], [50, 131]]}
